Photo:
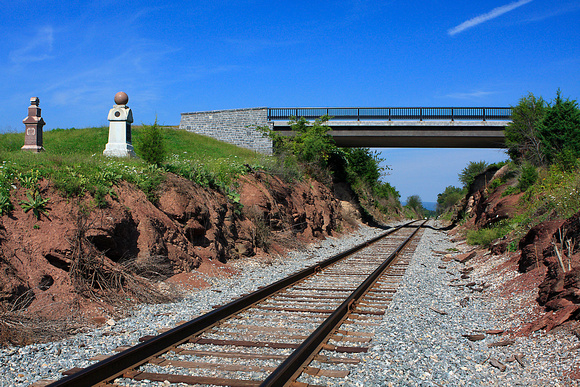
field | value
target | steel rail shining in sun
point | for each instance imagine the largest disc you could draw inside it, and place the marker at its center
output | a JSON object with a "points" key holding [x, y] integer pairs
{"points": [[286, 373], [116, 365], [393, 113]]}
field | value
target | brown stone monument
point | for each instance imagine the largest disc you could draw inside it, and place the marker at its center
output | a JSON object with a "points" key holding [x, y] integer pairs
{"points": [[34, 124]]}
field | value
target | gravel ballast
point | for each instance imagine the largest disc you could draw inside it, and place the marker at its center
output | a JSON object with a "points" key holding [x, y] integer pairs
{"points": [[414, 345], [417, 346]]}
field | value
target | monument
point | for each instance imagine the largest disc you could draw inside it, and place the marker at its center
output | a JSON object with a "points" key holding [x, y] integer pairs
{"points": [[120, 119], [34, 124]]}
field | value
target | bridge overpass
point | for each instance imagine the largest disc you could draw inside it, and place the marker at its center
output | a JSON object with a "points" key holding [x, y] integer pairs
{"points": [[389, 127], [427, 127]]}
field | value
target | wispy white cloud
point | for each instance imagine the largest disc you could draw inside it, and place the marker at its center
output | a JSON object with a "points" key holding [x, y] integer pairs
{"points": [[487, 16], [472, 95], [38, 48]]}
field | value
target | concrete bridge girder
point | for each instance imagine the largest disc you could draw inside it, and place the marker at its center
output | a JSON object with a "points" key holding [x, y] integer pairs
{"points": [[412, 134]]}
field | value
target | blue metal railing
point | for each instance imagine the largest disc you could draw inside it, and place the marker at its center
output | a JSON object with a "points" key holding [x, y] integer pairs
{"points": [[394, 113]]}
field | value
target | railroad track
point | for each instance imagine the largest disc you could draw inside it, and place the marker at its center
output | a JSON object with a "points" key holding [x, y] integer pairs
{"points": [[298, 331]]}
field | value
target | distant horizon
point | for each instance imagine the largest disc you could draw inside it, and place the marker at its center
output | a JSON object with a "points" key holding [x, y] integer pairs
{"points": [[431, 206]]}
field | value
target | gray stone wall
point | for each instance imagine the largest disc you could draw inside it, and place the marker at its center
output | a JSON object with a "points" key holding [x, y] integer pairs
{"points": [[236, 126]]}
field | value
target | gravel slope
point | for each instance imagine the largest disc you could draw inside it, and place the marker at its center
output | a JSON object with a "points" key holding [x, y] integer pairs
{"points": [[414, 347]]}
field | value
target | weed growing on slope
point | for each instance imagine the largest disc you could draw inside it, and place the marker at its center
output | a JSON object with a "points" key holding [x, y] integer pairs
{"points": [[36, 203]]}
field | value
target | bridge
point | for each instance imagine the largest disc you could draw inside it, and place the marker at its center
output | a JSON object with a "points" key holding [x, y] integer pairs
{"points": [[389, 127], [405, 127]]}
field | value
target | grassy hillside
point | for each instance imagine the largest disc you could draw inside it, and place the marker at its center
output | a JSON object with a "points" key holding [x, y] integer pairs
{"points": [[89, 141], [74, 162]]}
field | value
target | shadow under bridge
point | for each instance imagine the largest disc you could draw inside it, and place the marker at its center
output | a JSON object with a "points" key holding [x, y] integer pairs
{"points": [[405, 127]]}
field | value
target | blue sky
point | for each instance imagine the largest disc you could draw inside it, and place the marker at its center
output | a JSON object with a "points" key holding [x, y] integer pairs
{"points": [[174, 57]]}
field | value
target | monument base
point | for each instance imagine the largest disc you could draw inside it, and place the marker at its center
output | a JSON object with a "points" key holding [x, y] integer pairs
{"points": [[119, 150], [32, 148]]}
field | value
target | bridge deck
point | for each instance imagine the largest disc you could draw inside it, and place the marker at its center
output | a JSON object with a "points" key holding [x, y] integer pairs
{"points": [[412, 134]]}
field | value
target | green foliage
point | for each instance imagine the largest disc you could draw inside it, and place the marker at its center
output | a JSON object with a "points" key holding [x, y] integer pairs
{"points": [[414, 202], [528, 177], [485, 236], [543, 134], [73, 161], [555, 195], [560, 131], [385, 190], [415, 207], [151, 146], [312, 143], [494, 185], [468, 174], [307, 152], [6, 205], [148, 180], [29, 179], [448, 198], [311, 150], [523, 133], [510, 191], [35, 203], [363, 164]]}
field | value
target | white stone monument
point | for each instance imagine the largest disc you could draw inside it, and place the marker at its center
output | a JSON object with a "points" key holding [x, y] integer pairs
{"points": [[120, 119]]}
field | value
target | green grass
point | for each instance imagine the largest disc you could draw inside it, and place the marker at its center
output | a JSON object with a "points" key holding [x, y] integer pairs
{"points": [[485, 236], [73, 160]]}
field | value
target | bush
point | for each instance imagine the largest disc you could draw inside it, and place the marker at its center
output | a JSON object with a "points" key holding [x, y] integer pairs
{"points": [[449, 198], [151, 145], [528, 177], [474, 168], [485, 236]]}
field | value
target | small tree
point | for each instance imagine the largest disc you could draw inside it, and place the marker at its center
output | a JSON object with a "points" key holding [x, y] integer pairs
{"points": [[415, 204], [151, 146], [560, 131], [473, 169], [364, 164], [522, 135]]}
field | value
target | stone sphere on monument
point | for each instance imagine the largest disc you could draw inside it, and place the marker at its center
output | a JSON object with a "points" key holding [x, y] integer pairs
{"points": [[121, 98]]}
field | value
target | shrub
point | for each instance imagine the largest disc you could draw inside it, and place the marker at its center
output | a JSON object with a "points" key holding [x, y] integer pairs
{"points": [[485, 236], [474, 168], [151, 146], [528, 177]]}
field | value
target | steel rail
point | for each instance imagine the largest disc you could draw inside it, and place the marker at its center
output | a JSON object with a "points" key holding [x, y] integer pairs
{"points": [[292, 367], [116, 365]]}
